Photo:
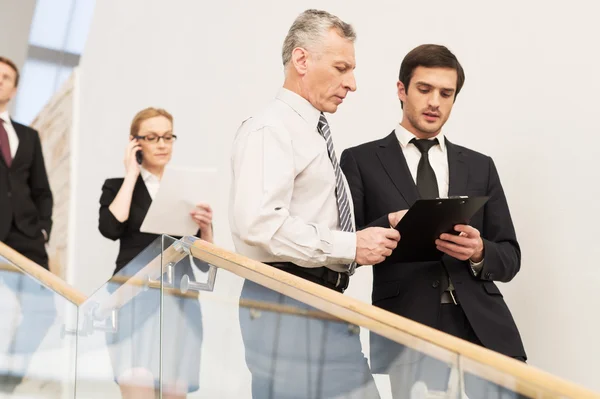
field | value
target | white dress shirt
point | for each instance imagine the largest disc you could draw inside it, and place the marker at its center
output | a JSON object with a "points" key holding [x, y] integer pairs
{"points": [[438, 158], [151, 181], [13, 139], [282, 200]]}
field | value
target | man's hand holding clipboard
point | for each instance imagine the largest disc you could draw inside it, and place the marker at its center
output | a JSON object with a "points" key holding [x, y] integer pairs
{"points": [[433, 227], [464, 246]]}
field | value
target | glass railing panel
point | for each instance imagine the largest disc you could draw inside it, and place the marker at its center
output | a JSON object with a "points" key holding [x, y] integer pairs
{"points": [[299, 340], [215, 324], [37, 348], [119, 353], [486, 382], [253, 342]]}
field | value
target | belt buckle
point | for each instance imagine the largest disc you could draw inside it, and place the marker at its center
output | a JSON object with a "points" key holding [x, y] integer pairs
{"points": [[449, 297], [453, 298], [344, 281]]}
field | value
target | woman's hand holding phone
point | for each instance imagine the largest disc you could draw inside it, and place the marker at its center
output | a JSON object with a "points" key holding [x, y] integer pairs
{"points": [[132, 165]]}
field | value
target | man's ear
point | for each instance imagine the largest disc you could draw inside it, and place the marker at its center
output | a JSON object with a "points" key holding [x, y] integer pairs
{"points": [[300, 60], [401, 91]]}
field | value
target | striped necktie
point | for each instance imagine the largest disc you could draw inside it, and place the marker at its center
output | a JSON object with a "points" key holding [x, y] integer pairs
{"points": [[341, 195]]}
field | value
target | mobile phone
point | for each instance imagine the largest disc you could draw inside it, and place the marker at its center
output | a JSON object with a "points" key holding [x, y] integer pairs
{"points": [[139, 156]]}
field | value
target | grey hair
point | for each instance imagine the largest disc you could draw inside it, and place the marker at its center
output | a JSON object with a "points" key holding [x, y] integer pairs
{"points": [[310, 28]]}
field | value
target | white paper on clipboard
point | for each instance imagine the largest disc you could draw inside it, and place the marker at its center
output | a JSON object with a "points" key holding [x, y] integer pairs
{"points": [[181, 189]]}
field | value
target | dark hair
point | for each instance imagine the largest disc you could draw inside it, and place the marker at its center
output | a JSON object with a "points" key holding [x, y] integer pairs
{"points": [[430, 56], [13, 66]]}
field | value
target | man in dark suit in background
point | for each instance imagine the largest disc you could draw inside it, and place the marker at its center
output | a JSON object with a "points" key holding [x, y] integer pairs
{"points": [[456, 294], [25, 220], [25, 198]]}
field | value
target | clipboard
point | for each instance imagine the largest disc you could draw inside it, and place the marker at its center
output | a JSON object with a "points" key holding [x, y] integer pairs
{"points": [[181, 188], [426, 220]]}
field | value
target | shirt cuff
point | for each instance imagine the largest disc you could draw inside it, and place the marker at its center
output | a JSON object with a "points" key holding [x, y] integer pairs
{"points": [[476, 266], [343, 249]]}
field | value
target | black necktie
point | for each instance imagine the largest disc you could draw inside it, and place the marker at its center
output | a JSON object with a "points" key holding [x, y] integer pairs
{"points": [[428, 188], [426, 181]]}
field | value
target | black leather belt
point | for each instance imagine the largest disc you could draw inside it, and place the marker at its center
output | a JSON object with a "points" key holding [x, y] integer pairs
{"points": [[321, 275]]}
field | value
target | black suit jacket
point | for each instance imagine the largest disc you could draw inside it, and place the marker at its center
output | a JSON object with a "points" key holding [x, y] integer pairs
{"points": [[25, 196], [132, 241], [381, 183]]}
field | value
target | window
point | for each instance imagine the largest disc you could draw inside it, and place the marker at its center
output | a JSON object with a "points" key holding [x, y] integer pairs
{"points": [[57, 37]]}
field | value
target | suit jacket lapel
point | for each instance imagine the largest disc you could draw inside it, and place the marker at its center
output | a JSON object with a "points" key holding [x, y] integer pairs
{"points": [[393, 161], [143, 196], [458, 170]]}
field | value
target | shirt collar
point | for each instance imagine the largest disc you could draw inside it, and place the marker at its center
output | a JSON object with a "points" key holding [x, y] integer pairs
{"points": [[5, 116], [147, 176], [404, 137], [301, 106]]}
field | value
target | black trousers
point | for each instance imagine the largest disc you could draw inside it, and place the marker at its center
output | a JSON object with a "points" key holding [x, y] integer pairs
{"points": [[33, 248], [415, 369]]}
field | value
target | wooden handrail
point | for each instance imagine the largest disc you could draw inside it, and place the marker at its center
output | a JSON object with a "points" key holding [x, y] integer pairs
{"points": [[482, 362], [21, 264], [126, 292]]}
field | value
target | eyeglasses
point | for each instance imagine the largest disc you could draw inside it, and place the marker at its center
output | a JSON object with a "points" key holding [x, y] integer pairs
{"points": [[155, 138]]}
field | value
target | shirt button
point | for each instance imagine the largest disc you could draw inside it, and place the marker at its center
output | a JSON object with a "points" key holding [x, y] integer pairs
{"points": [[9, 194], [435, 284]]}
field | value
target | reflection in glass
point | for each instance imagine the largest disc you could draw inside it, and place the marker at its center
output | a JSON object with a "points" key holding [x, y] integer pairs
{"points": [[33, 334], [146, 343], [154, 328]]}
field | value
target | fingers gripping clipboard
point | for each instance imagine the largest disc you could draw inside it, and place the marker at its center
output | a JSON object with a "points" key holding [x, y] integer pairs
{"points": [[426, 220]]}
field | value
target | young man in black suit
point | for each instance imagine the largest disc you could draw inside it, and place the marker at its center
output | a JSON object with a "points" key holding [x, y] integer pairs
{"points": [[456, 294], [25, 198], [25, 221]]}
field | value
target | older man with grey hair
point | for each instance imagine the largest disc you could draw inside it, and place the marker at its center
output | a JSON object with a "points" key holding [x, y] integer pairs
{"points": [[290, 208]]}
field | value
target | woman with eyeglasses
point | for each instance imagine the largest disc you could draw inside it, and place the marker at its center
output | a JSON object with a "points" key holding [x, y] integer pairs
{"points": [[134, 347]]}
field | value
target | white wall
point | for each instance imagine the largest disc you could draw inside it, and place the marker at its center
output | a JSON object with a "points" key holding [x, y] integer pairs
{"points": [[15, 21], [530, 101]]}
